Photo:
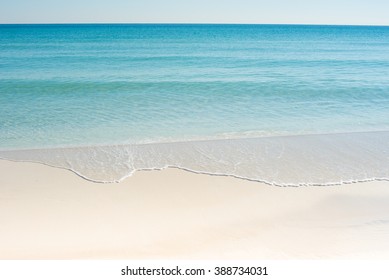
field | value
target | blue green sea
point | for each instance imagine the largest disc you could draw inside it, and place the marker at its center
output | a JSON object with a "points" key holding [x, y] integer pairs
{"points": [[282, 104]]}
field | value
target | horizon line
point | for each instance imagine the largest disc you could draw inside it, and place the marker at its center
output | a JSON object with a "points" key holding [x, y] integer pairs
{"points": [[186, 23]]}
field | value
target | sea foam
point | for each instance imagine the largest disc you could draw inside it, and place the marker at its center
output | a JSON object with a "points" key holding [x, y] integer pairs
{"points": [[302, 160]]}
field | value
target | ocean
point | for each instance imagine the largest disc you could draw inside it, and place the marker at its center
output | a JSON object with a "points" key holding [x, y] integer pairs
{"points": [[288, 105]]}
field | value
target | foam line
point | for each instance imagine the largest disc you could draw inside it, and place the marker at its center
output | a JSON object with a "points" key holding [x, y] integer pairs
{"points": [[304, 160]]}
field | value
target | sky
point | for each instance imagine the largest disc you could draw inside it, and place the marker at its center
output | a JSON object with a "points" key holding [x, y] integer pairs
{"points": [[353, 12]]}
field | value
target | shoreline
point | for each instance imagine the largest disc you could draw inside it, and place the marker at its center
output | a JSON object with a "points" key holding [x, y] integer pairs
{"points": [[49, 213], [309, 160], [329, 184]]}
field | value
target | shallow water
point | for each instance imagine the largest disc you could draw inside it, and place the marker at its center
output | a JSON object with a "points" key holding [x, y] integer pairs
{"points": [[219, 96], [283, 161]]}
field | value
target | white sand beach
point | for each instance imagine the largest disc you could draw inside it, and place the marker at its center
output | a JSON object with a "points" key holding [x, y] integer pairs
{"points": [[50, 213]]}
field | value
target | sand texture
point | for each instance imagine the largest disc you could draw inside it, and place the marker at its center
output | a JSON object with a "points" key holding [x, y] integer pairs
{"points": [[50, 213]]}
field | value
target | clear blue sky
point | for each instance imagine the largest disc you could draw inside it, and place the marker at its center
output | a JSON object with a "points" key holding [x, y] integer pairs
{"points": [[370, 12]]}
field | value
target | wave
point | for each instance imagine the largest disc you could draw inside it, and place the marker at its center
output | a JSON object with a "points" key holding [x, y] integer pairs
{"points": [[303, 160]]}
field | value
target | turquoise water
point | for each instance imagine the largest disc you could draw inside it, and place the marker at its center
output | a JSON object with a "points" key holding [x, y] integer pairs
{"points": [[102, 85]]}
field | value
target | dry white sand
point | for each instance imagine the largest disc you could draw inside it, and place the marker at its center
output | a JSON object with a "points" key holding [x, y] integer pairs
{"points": [[49, 213]]}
